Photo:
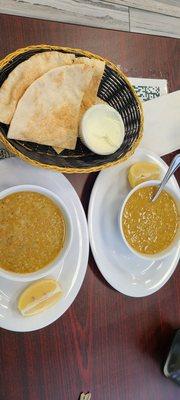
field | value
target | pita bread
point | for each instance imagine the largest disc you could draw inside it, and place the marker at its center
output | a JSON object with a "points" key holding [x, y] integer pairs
{"points": [[23, 75], [90, 96], [97, 101], [58, 149], [48, 111]]}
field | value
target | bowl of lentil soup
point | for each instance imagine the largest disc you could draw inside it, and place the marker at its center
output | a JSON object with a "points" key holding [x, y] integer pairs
{"points": [[150, 229], [35, 232]]}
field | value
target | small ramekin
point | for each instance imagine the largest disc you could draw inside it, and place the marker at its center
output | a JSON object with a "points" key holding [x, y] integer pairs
{"points": [[48, 269], [83, 127], [176, 241]]}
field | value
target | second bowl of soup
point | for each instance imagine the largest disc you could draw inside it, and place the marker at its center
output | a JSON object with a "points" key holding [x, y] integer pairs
{"points": [[150, 229]]}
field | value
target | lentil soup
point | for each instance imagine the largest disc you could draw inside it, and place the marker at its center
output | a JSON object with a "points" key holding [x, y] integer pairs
{"points": [[32, 231], [150, 227]]}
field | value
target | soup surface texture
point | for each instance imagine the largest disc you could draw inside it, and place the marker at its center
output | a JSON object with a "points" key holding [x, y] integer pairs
{"points": [[149, 227], [32, 231]]}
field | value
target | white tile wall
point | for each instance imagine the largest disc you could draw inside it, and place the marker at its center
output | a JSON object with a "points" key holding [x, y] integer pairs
{"points": [[153, 23], [157, 17]]}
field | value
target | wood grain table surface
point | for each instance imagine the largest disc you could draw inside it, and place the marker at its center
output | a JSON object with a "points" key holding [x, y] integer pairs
{"points": [[106, 343]]}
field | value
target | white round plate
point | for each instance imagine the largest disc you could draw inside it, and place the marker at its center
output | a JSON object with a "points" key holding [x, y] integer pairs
{"points": [[72, 270], [125, 272]]}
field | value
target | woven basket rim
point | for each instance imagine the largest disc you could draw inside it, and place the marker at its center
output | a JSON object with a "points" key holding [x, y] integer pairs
{"points": [[86, 53]]}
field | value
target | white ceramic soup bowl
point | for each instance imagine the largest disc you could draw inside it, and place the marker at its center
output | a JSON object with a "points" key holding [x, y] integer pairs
{"points": [[48, 269], [176, 241]]}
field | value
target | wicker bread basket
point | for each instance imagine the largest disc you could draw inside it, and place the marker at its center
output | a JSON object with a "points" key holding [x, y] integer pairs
{"points": [[114, 88]]}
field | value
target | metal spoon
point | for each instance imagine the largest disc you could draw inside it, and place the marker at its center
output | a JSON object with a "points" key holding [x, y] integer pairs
{"points": [[172, 168]]}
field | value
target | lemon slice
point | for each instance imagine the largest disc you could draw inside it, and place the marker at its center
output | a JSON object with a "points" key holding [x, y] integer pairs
{"points": [[39, 296], [141, 172]]}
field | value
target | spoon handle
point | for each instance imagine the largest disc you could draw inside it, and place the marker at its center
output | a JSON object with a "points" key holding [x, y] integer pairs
{"points": [[175, 163]]}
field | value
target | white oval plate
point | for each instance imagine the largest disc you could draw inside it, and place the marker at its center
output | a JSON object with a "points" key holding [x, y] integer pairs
{"points": [[72, 270], [125, 272]]}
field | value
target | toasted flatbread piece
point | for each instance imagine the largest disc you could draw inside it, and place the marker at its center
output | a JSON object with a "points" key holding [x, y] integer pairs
{"points": [[97, 101], [48, 112], [90, 96], [91, 92], [24, 75]]}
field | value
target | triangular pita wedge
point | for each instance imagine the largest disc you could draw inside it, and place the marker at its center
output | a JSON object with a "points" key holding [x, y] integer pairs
{"points": [[97, 101], [90, 96], [23, 75], [58, 149], [48, 111]]}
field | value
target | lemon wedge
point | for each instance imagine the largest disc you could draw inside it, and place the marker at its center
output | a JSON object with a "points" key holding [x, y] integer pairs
{"points": [[141, 172], [39, 296]]}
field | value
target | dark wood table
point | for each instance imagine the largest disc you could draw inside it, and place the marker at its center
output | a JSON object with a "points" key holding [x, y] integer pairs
{"points": [[106, 343]]}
